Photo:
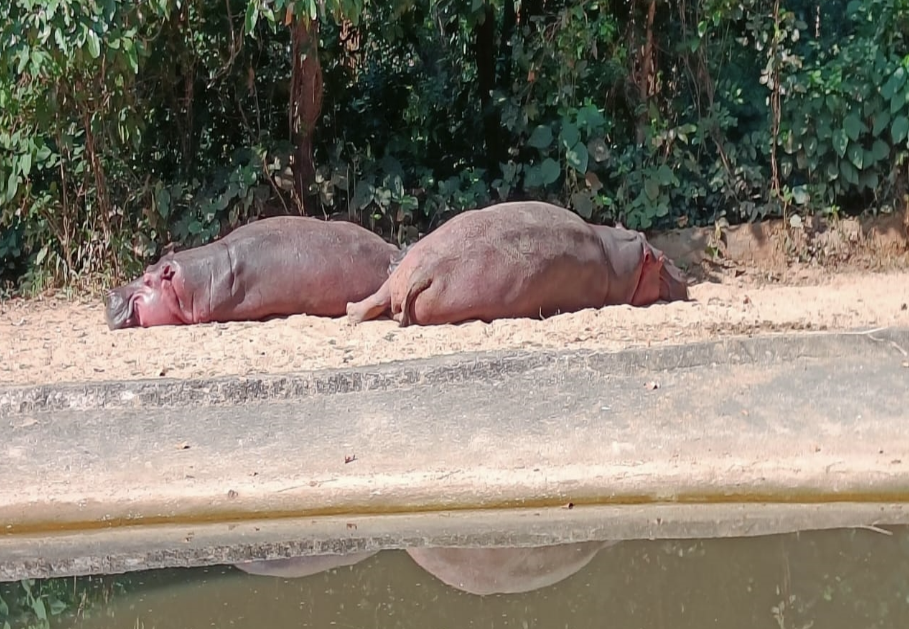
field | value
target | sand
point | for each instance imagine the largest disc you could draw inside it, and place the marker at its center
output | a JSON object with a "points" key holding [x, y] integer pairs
{"points": [[54, 340]]}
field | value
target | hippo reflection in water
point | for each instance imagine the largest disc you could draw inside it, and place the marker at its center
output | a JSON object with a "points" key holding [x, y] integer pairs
{"points": [[298, 567], [480, 571], [486, 571]]}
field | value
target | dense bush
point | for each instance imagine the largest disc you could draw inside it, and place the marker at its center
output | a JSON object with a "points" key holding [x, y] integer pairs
{"points": [[128, 125]]}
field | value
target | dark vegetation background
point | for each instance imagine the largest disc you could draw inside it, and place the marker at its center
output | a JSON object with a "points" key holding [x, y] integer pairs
{"points": [[127, 125]]}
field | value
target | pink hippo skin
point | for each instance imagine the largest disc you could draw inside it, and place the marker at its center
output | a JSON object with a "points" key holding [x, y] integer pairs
{"points": [[521, 259], [484, 571], [277, 266]]}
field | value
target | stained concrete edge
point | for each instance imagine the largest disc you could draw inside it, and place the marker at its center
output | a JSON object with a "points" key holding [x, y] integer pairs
{"points": [[117, 551], [453, 368]]}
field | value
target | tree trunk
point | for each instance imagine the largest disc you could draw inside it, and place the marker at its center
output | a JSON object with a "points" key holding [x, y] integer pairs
{"points": [[646, 77], [485, 55], [305, 104]]}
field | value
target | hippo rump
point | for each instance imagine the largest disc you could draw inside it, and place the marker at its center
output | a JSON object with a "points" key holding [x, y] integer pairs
{"points": [[279, 266], [521, 259], [484, 571]]}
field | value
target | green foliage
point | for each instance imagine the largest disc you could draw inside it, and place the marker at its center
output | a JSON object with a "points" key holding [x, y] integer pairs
{"points": [[42, 603], [32, 604], [125, 126]]}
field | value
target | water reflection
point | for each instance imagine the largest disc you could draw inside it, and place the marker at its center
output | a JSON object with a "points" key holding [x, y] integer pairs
{"points": [[299, 567], [480, 571], [831, 579], [505, 570]]}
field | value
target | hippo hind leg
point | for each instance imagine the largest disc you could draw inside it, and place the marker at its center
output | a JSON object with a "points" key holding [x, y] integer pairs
{"points": [[414, 290], [371, 307]]}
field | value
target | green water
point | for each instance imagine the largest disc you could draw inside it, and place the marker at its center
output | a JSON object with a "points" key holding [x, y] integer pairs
{"points": [[851, 579]]}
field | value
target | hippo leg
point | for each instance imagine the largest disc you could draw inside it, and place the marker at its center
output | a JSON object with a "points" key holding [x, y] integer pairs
{"points": [[416, 288], [372, 307]]}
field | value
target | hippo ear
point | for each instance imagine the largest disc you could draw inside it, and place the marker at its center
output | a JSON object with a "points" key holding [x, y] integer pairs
{"points": [[167, 272]]}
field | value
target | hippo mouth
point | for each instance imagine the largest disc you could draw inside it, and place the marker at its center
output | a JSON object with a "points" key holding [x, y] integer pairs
{"points": [[120, 310]]}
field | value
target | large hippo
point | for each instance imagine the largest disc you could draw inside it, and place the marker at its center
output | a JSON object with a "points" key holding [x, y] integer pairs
{"points": [[521, 259], [299, 567], [279, 266], [484, 571]]}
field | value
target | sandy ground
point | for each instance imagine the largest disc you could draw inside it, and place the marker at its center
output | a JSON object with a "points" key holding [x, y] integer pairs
{"points": [[55, 340]]}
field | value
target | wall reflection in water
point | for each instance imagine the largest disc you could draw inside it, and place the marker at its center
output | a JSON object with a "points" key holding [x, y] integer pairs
{"points": [[832, 579]]}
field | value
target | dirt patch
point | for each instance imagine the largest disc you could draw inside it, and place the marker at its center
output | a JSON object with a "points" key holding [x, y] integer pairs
{"points": [[56, 340]]}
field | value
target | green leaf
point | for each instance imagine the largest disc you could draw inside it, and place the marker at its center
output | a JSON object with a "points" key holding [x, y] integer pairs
{"points": [[541, 137], [578, 157], [800, 195], [42, 154], [898, 101], [94, 44], [195, 227], [12, 185], [664, 175], [900, 129], [856, 155], [39, 609], [25, 164], [590, 118], [840, 142], [894, 83], [569, 135], [582, 202], [811, 146], [252, 16], [363, 194], [880, 150], [869, 179], [549, 170], [853, 127], [533, 177], [652, 189], [881, 120], [849, 173], [832, 171]]}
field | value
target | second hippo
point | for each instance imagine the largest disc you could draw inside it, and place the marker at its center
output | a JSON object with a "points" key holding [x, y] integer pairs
{"points": [[521, 259]]}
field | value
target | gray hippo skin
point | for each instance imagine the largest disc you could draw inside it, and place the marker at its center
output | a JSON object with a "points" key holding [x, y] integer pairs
{"points": [[299, 567], [485, 571], [520, 259], [279, 266]]}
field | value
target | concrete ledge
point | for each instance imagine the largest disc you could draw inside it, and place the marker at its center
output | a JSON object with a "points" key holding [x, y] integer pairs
{"points": [[799, 425], [453, 369]]}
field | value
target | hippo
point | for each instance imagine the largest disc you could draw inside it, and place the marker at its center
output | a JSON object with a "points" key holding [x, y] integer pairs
{"points": [[484, 571], [278, 266], [299, 567], [518, 260]]}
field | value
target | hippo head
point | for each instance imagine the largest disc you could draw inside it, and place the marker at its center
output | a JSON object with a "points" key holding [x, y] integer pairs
{"points": [[643, 274], [147, 301]]}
